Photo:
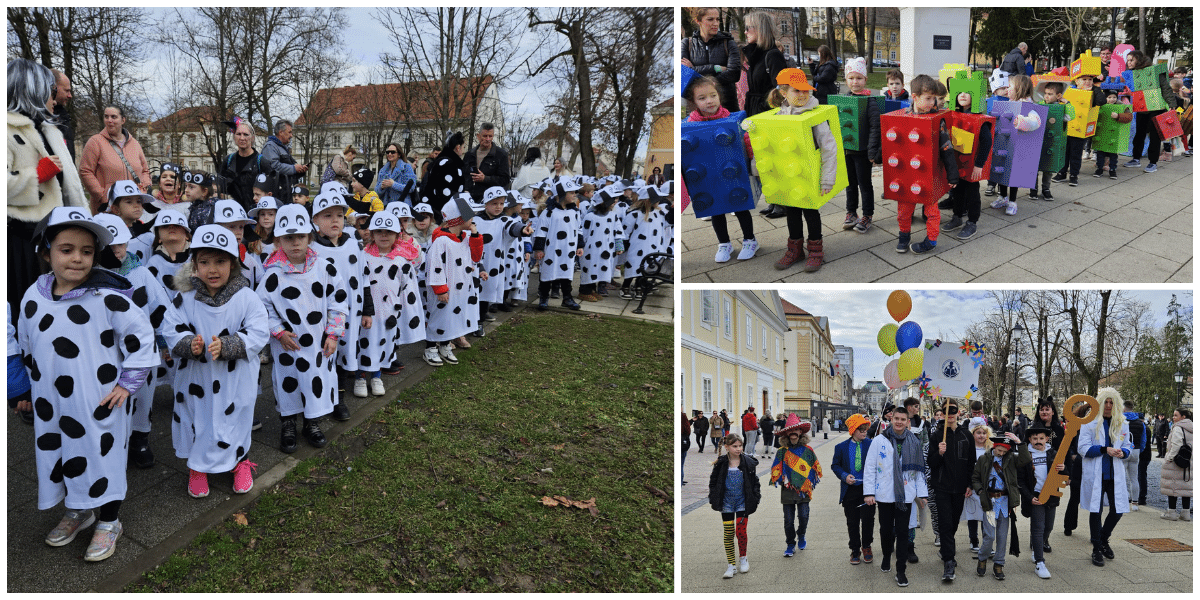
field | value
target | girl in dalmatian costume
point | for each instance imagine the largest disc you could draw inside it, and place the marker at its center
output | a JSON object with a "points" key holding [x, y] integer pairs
{"points": [[557, 244], [520, 251], [230, 215], [151, 298], [411, 314], [646, 225], [451, 301], [171, 233], [215, 331], [306, 312], [603, 240], [263, 214], [333, 242], [87, 348], [385, 257], [499, 232]]}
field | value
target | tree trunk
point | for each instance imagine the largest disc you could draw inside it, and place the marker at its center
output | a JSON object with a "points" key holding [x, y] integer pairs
{"points": [[585, 99], [871, 39], [18, 18], [1093, 381], [830, 34], [1142, 32], [43, 29], [860, 23]]}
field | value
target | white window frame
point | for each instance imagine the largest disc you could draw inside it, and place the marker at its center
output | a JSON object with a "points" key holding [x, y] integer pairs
{"points": [[893, 38], [892, 55], [878, 36], [750, 332], [706, 393], [749, 395], [728, 316], [763, 333], [879, 55], [729, 396], [708, 308]]}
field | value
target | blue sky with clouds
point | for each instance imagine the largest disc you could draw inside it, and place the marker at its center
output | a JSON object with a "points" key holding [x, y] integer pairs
{"points": [[855, 317]]}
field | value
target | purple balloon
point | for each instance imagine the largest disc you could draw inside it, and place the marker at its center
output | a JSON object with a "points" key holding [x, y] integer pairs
{"points": [[909, 336]]}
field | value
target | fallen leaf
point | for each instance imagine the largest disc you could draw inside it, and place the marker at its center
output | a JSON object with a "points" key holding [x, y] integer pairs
{"points": [[548, 501], [240, 519], [558, 446], [252, 544], [441, 504], [525, 441], [483, 498], [548, 470]]}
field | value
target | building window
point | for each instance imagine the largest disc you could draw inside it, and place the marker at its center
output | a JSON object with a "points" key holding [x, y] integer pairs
{"points": [[706, 393], [878, 36], [728, 396], [750, 332], [764, 342], [749, 396], [336, 139], [893, 37], [787, 48], [892, 55], [879, 54], [728, 317], [708, 307]]}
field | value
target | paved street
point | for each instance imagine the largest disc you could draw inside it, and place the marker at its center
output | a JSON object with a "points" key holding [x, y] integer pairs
{"points": [[1137, 229], [825, 566]]}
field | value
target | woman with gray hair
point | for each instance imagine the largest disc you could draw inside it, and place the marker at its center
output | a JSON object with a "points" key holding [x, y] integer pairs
{"points": [[38, 179], [764, 61]]}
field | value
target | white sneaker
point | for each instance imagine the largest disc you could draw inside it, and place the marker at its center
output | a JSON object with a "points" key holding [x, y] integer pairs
{"points": [[432, 358], [1042, 571], [724, 251], [1170, 515], [1000, 203], [446, 351], [730, 572], [1133, 506], [1011, 210], [749, 249], [360, 388], [744, 565], [376, 386]]}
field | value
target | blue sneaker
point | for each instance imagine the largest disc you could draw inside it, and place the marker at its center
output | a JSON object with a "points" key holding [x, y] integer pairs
{"points": [[923, 246], [902, 243], [791, 549], [1151, 168], [803, 544]]}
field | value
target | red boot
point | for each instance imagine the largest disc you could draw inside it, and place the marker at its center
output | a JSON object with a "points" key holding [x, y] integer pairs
{"points": [[794, 254], [816, 256]]}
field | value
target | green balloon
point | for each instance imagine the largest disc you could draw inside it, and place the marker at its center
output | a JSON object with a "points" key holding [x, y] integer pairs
{"points": [[887, 339]]}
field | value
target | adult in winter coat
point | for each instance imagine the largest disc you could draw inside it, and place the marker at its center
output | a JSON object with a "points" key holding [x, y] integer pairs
{"points": [[487, 163], [532, 171], [277, 157], [951, 458], [1104, 444], [825, 75], [447, 177], [395, 176], [110, 156], [713, 52], [893, 480], [242, 166], [1161, 430], [340, 167], [716, 431], [1176, 481], [763, 60], [700, 429], [1014, 61], [766, 428], [735, 491]]}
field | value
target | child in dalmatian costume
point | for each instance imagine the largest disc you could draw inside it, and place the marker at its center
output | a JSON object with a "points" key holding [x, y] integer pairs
{"points": [[385, 257], [519, 252], [216, 330], [307, 308], [411, 313], [230, 215], [646, 226], [451, 300], [499, 233], [557, 244], [87, 348], [602, 234], [171, 242]]}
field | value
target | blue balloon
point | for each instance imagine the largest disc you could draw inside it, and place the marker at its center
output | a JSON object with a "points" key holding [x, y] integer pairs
{"points": [[909, 336]]}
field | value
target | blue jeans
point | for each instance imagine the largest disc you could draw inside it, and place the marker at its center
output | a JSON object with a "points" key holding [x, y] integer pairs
{"points": [[790, 513]]}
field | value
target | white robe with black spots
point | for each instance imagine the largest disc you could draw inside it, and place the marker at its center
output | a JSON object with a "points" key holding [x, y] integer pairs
{"points": [[140, 246], [304, 380], [644, 236], [75, 351], [149, 295], [377, 344], [163, 269], [498, 236], [348, 259], [253, 270], [449, 263], [214, 399], [411, 324], [561, 232], [599, 246], [517, 271]]}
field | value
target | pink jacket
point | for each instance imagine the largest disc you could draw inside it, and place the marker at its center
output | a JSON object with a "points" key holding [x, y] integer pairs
{"points": [[100, 166]]}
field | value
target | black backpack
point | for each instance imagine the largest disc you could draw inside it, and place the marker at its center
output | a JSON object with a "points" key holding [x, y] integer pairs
{"points": [[1139, 439], [1183, 458]]}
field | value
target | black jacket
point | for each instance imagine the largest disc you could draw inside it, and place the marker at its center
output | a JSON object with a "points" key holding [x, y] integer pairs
{"points": [[720, 49], [752, 487], [825, 80], [1014, 62], [764, 66], [495, 168], [951, 472], [67, 128], [241, 182]]}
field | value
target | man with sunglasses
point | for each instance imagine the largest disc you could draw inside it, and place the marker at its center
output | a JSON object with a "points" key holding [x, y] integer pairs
{"points": [[950, 464]]}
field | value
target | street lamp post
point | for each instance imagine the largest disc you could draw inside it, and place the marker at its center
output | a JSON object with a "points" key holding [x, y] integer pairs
{"points": [[796, 33], [1179, 387], [1012, 404]]}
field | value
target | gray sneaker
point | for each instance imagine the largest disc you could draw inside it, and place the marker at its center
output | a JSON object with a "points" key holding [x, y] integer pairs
{"points": [[71, 524], [953, 225], [1133, 164], [968, 230]]}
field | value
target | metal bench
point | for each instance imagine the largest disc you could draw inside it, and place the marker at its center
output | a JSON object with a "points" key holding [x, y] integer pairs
{"points": [[657, 268]]}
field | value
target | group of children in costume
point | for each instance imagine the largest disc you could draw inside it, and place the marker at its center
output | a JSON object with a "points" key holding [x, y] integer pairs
{"points": [[964, 158], [204, 293]]}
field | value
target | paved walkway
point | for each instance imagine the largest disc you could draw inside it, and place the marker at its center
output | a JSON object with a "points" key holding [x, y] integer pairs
{"points": [[1135, 229], [158, 515], [825, 565]]}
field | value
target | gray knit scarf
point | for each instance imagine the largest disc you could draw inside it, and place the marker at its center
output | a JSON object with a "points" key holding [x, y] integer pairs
{"points": [[910, 459]]}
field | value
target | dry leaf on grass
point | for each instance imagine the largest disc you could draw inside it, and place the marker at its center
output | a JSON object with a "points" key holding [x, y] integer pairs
{"points": [[441, 504], [589, 505], [240, 519], [558, 446]]}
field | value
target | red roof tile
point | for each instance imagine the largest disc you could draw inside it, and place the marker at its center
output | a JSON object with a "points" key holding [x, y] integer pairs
{"points": [[792, 309], [365, 103]]}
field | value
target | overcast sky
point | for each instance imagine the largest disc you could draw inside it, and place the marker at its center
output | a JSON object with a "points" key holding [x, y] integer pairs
{"points": [[855, 317]]}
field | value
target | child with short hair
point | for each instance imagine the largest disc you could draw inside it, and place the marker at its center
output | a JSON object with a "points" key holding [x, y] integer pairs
{"points": [[1031, 478], [704, 96], [964, 197], [450, 272], [796, 471], [994, 480], [198, 193], [1110, 158], [1052, 93], [87, 349], [1075, 145], [734, 491], [498, 233], [230, 215], [895, 86], [129, 206], [794, 96], [216, 330], [361, 187], [858, 162], [1020, 90], [521, 252], [300, 195], [306, 304], [171, 242], [925, 94]]}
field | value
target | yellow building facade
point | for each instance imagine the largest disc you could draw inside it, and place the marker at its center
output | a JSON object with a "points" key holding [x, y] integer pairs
{"points": [[660, 152], [808, 362], [732, 352]]}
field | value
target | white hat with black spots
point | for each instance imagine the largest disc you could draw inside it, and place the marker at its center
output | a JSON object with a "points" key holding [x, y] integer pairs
{"points": [[333, 187], [326, 200], [229, 212], [292, 219], [125, 188], [612, 190], [264, 203], [115, 226], [75, 217], [492, 193], [216, 238], [422, 207], [567, 185], [514, 199], [171, 217], [399, 209], [386, 220]]}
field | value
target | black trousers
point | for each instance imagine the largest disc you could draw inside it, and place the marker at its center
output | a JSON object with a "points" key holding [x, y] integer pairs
{"points": [[893, 531], [966, 200], [562, 284], [1145, 127], [720, 226], [858, 177], [1143, 464], [1074, 156], [950, 507], [1100, 534], [860, 521], [1071, 516], [700, 437], [24, 266], [797, 217]]}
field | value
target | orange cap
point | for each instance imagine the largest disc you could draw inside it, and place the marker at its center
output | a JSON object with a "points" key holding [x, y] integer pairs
{"points": [[853, 422], [795, 78]]}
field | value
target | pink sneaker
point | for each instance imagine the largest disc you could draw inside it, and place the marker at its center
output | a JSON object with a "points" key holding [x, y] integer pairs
{"points": [[243, 480], [197, 484]]}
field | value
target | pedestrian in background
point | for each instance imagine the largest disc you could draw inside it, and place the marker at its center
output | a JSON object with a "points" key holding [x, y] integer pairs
{"points": [[1176, 480]]}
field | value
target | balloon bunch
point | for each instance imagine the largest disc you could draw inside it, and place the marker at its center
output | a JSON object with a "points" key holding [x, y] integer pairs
{"points": [[906, 339]]}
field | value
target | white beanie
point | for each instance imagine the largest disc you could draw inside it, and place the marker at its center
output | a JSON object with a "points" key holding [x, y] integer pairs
{"points": [[856, 65]]}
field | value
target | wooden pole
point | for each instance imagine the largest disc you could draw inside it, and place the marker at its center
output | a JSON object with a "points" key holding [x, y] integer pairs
{"points": [[945, 423]]}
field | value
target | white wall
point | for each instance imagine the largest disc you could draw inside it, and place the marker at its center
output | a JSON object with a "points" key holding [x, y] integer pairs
{"points": [[917, 28]]}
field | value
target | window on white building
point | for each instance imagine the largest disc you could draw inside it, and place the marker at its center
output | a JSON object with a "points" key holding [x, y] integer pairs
{"points": [[750, 332], [764, 342], [892, 55], [728, 318], [708, 307], [749, 396], [728, 397], [706, 393]]}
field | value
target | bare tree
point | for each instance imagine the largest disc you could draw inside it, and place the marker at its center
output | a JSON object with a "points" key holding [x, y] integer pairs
{"points": [[871, 18], [518, 136], [312, 88], [571, 24], [1070, 21]]}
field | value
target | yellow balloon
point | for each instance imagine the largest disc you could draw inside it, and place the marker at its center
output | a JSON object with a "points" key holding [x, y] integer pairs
{"points": [[912, 363], [887, 339], [899, 304]]}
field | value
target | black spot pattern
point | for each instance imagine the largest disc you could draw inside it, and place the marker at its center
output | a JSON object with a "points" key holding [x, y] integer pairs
{"points": [[290, 293], [106, 444], [98, 488], [116, 302], [49, 441], [46, 322], [65, 348], [103, 411], [65, 386], [78, 314], [75, 467], [195, 390], [132, 343], [43, 409]]}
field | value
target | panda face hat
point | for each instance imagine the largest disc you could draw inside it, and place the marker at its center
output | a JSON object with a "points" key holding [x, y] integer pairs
{"points": [[229, 212], [493, 193], [216, 237], [399, 209], [115, 226], [72, 217], [126, 188], [334, 187], [422, 208], [326, 200], [292, 220], [386, 220], [199, 178], [171, 217], [264, 203]]}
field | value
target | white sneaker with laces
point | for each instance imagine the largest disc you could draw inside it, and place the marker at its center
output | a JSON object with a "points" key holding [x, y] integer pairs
{"points": [[446, 351], [744, 564], [432, 358], [730, 572], [749, 249], [1011, 210], [360, 388], [1042, 571], [724, 251], [376, 386], [1000, 203]]}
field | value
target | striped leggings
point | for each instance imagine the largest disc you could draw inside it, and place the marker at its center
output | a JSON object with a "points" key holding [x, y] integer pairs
{"points": [[727, 521]]}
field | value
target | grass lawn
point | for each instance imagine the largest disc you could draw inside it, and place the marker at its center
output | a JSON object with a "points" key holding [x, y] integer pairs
{"points": [[441, 491]]}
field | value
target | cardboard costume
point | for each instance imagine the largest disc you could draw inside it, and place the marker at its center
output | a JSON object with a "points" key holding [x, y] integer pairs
{"points": [[715, 170]]}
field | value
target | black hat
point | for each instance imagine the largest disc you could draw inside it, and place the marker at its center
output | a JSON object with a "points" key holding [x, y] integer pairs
{"points": [[999, 439], [887, 408], [365, 177], [1037, 428], [301, 190]]}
